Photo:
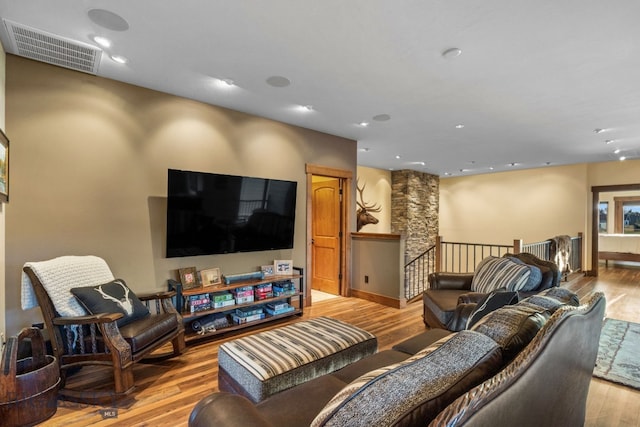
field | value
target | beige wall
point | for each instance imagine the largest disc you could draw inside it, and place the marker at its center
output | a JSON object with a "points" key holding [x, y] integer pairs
{"points": [[3, 300], [89, 172], [377, 191], [531, 204], [381, 259]]}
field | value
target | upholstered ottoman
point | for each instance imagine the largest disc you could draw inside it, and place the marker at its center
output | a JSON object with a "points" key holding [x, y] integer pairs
{"points": [[266, 363]]}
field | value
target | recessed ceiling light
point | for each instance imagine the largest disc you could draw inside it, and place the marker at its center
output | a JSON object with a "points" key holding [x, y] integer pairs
{"points": [[224, 83], [363, 124], [108, 20], [512, 164], [278, 81], [617, 151], [451, 53], [398, 157], [447, 173], [119, 59], [305, 108], [547, 163], [608, 141], [382, 117], [102, 41], [598, 130], [364, 150], [623, 158], [459, 126], [490, 168]]}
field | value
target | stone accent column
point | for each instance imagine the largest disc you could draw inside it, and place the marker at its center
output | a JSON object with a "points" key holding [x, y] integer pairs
{"points": [[414, 209]]}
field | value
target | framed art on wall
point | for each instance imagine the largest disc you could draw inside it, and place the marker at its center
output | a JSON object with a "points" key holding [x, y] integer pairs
{"points": [[4, 167]]}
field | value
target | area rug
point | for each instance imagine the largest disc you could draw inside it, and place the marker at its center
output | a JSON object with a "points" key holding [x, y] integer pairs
{"points": [[618, 359]]}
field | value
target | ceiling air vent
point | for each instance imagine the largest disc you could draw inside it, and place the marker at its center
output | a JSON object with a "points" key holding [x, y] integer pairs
{"points": [[52, 49]]}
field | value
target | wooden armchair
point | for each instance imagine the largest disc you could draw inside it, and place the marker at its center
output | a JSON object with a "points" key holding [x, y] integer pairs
{"points": [[80, 338]]}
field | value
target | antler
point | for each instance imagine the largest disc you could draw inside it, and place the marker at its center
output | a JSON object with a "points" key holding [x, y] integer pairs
{"points": [[363, 205], [126, 304]]}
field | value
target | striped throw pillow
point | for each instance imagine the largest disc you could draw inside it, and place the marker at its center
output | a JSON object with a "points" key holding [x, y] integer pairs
{"points": [[495, 273]]}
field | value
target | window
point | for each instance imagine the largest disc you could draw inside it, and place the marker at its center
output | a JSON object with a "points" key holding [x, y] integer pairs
{"points": [[627, 215], [602, 222], [631, 217]]}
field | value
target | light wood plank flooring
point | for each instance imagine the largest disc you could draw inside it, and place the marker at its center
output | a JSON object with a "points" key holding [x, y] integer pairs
{"points": [[166, 392]]}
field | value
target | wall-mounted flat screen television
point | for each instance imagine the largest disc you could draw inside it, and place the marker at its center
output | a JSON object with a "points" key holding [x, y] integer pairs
{"points": [[210, 213]]}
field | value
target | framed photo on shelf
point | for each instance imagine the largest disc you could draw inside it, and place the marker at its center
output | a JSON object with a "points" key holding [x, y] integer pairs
{"points": [[188, 277], [267, 270], [283, 267], [4, 167], [210, 277]]}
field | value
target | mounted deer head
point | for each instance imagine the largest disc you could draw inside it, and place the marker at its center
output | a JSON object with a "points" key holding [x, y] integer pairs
{"points": [[126, 303], [363, 215]]}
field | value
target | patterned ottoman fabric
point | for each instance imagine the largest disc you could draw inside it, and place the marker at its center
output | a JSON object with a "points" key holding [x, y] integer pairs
{"points": [[271, 361]]}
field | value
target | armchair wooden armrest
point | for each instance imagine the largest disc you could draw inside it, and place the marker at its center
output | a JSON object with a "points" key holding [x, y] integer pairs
{"points": [[156, 295], [88, 319], [162, 300]]}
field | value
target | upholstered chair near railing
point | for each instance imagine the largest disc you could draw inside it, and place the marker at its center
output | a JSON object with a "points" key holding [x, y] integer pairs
{"points": [[453, 297]]}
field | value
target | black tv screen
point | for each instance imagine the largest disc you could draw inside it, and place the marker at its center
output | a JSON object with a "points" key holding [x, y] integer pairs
{"points": [[209, 213]]}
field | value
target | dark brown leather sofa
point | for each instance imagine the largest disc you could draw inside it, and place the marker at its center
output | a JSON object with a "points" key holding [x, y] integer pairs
{"points": [[449, 300], [537, 373]]}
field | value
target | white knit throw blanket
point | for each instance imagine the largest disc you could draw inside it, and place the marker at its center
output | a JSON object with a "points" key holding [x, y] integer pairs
{"points": [[59, 275]]}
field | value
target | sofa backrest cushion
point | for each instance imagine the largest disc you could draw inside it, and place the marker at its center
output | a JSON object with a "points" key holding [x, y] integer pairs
{"points": [[554, 298], [495, 273], [112, 297], [513, 326], [535, 278], [492, 301], [414, 391], [548, 382], [550, 272]]}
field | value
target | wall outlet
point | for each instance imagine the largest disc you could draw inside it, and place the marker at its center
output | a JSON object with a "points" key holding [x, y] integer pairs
{"points": [[366, 279]]}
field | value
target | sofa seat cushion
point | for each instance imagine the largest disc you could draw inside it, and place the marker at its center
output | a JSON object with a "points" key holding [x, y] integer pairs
{"points": [[148, 330], [271, 361], [421, 341], [414, 391], [513, 326], [495, 273], [297, 406], [369, 363]]}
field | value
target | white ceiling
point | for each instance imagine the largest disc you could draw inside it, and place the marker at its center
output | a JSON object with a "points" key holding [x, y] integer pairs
{"points": [[534, 80]]}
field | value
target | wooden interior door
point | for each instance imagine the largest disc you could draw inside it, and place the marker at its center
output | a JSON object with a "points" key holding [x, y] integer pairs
{"points": [[326, 227]]}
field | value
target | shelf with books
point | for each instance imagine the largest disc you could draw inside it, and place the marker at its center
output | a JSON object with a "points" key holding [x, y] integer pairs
{"points": [[213, 310]]}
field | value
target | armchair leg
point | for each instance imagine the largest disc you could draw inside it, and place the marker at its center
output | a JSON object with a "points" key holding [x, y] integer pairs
{"points": [[123, 379], [178, 344]]}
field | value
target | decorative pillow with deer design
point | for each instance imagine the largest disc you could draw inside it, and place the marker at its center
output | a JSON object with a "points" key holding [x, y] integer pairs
{"points": [[112, 297]]}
